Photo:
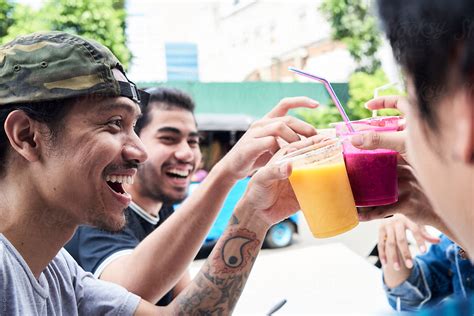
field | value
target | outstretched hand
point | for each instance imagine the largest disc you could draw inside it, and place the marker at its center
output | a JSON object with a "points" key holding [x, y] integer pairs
{"points": [[269, 191], [262, 140]]}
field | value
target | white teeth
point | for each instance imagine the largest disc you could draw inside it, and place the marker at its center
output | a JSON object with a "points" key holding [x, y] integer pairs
{"points": [[119, 179], [182, 173]]}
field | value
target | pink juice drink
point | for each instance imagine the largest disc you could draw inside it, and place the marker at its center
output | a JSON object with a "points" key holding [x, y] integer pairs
{"points": [[372, 173]]}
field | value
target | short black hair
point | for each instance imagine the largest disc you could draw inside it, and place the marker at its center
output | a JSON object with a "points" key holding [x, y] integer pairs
{"points": [[164, 98], [49, 112], [433, 40]]}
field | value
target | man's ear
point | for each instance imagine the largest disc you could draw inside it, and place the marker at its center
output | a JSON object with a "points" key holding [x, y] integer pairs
{"points": [[23, 134], [463, 121]]}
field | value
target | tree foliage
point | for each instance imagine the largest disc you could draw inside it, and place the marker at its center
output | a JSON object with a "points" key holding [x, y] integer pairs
{"points": [[101, 20], [6, 19], [361, 90], [320, 117], [97, 20], [353, 23], [26, 20]]}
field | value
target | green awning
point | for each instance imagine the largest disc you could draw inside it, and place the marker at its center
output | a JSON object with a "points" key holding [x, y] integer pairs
{"points": [[249, 98]]}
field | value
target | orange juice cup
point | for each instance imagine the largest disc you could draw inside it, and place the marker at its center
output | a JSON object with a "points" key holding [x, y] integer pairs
{"points": [[321, 185]]}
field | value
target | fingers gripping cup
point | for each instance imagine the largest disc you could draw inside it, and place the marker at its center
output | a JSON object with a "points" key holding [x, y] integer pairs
{"points": [[321, 185], [372, 173]]}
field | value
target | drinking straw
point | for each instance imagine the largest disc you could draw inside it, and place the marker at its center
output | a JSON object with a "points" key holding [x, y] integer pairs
{"points": [[331, 92], [381, 88]]}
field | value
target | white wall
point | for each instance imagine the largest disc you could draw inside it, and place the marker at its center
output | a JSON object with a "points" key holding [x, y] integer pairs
{"points": [[233, 40], [151, 24], [251, 37]]}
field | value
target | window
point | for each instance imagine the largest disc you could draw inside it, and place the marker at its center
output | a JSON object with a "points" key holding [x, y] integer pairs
{"points": [[181, 61]]}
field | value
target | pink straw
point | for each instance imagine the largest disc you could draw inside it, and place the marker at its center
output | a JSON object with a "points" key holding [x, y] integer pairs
{"points": [[331, 92]]}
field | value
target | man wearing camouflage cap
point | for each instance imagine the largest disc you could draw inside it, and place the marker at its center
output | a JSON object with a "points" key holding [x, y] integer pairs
{"points": [[68, 111]]}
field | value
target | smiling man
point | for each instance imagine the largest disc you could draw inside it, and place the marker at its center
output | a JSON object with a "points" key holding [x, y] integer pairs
{"points": [[168, 130], [67, 145], [67, 113]]}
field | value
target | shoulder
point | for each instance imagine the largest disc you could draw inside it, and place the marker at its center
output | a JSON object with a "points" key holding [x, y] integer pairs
{"points": [[95, 297], [5, 252], [65, 263], [91, 246], [10, 262], [90, 240]]}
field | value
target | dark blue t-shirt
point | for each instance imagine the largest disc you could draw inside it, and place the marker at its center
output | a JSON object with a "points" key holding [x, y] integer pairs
{"points": [[94, 248]]}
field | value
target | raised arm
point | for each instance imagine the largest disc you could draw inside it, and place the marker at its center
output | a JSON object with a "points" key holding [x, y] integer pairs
{"points": [[157, 263], [268, 200], [220, 282]]}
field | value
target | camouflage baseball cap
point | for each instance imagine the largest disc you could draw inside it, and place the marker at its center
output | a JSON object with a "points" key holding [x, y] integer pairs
{"points": [[57, 65]]}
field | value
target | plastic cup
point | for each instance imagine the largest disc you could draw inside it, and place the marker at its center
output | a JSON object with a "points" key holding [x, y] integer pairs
{"points": [[321, 185], [372, 173]]}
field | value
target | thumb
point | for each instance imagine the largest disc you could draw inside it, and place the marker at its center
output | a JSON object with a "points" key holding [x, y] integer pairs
{"points": [[386, 140]]}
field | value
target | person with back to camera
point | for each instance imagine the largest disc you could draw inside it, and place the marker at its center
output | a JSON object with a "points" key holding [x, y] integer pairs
{"points": [[438, 142]]}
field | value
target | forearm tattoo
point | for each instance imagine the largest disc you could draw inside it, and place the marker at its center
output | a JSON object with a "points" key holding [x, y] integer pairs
{"points": [[220, 282]]}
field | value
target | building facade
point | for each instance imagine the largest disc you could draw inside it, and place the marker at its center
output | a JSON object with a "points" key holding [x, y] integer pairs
{"points": [[235, 40]]}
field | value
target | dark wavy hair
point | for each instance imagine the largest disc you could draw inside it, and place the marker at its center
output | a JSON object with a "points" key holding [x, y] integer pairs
{"points": [[164, 98], [49, 112], [433, 40]]}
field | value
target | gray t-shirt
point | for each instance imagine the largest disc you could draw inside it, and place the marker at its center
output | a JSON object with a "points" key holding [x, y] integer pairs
{"points": [[63, 288]]}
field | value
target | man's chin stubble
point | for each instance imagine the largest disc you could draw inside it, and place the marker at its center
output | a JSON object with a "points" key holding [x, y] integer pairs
{"points": [[110, 224]]}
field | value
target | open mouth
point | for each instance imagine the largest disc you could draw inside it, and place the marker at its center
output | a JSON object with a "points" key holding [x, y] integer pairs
{"points": [[116, 182], [179, 174]]}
